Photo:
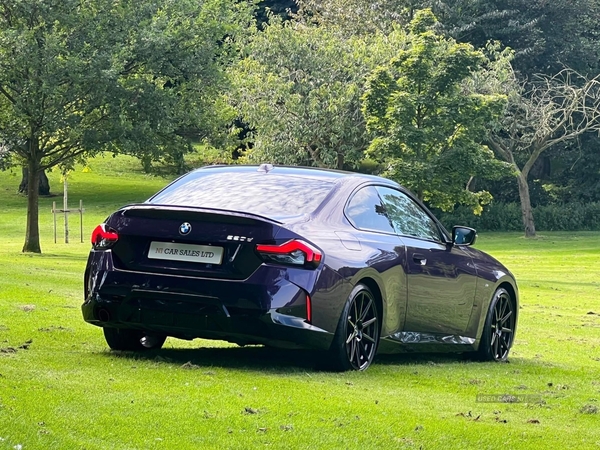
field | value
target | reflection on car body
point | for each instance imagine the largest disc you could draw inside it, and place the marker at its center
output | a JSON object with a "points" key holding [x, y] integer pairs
{"points": [[338, 262]]}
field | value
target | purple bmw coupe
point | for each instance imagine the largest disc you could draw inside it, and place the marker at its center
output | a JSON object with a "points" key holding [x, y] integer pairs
{"points": [[333, 261]]}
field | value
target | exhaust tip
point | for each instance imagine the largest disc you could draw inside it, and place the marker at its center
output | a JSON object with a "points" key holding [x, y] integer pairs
{"points": [[103, 315]]}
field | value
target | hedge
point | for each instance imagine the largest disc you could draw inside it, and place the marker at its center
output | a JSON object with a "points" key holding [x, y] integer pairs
{"points": [[507, 217]]}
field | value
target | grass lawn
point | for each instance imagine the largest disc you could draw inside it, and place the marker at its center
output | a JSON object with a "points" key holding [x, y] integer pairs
{"points": [[60, 387]]}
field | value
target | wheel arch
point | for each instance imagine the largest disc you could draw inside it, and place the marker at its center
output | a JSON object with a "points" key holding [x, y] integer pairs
{"points": [[485, 298], [376, 291], [514, 296], [511, 290], [495, 343], [345, 353]]}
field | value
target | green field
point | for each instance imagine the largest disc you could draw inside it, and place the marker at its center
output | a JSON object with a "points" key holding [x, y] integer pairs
{"points": [[60, 388]]}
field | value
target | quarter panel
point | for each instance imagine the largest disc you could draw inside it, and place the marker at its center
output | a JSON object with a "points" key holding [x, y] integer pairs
{"points": [[379, 257]]}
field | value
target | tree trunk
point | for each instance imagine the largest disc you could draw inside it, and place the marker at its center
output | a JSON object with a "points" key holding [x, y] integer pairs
{"points": [[32, 233], [526, 210], [44, 187], [340, 161], [146, 163], [44, 184]]}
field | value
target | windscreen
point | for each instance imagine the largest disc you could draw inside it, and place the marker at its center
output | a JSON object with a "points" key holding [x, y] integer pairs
{"points": [[266, 194]]}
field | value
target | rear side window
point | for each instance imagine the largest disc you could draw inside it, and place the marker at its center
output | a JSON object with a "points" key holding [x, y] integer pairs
{"points": [[366, 211], [268, 195]]}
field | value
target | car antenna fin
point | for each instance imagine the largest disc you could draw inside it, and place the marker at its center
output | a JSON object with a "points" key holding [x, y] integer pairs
{"points": [[265, 168]]}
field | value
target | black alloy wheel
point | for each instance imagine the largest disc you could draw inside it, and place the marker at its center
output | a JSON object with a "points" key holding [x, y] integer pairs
{"points": [[499, 329], [357, 336], [132, 340]]}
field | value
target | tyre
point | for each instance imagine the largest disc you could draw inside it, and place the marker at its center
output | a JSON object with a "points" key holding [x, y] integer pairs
{"points": [[499, 329], [357, 336], [132, 340]]}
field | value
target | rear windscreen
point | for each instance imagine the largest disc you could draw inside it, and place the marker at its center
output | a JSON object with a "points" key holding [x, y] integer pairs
{"points": [[265, 194]]}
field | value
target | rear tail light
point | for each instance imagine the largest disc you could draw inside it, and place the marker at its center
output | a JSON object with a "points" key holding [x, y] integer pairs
{"points": [[103, 237], [294, 252], [308, 308]]}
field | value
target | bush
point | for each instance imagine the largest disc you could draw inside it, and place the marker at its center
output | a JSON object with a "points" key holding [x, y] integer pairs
{"points": [[507, 217]]}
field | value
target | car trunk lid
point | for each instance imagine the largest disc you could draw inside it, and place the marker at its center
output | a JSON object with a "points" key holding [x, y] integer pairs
{"points": [[189, 241]]}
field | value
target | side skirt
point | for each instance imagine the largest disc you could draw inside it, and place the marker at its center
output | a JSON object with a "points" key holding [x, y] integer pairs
{"points": [[413, 342]]}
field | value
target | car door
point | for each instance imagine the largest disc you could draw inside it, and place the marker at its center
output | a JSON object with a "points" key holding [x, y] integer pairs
{"points": [[441, 277]]}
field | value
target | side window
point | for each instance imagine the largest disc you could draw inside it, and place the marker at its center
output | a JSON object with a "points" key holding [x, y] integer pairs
{"points": [[407, 216], [366, 211]]}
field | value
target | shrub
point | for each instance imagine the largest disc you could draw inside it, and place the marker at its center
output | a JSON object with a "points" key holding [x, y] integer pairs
{"points": [[507, 217]]}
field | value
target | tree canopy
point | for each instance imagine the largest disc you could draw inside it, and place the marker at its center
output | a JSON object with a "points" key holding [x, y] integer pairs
{"points": [[80, 77], [314, 83], [429, 127], [545, 36], [299, 90]]}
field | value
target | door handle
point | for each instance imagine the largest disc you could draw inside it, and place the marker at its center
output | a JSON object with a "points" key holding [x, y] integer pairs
{"points": [[419, 259]]}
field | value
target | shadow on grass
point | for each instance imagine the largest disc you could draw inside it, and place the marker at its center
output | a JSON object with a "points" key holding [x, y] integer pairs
{"points": [[250, 358], [275, 360], [430, 359]]}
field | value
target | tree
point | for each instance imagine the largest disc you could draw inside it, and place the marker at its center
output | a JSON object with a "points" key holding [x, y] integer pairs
{"points": [[282, 8], [7, 161], [574, 171], [545, 36], [356, 17], [43, 187], [77, 77], [428, 127], [549, 111], [299, 90]]}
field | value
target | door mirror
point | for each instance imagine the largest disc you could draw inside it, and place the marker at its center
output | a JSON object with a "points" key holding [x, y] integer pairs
{"points": [[463, 235]]}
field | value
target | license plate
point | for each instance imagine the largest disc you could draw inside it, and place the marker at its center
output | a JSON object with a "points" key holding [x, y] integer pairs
{"points": [[206, 254]]}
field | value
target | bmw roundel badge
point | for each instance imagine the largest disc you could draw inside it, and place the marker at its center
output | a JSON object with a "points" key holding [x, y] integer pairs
{"points": [[185, 228]]}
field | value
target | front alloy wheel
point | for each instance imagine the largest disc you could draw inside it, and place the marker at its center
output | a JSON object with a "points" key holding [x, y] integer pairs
{"points": [[499, 329], [357, 335]]}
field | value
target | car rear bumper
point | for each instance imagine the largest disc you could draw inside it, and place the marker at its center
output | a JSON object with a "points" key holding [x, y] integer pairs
{"points": [[264, 309]]}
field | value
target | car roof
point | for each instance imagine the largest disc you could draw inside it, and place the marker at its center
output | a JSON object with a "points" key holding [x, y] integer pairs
{"points": [[331, 175]]}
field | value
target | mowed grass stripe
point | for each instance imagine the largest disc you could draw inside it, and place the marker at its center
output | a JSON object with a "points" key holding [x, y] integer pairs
{"points": [[66, 390]]}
